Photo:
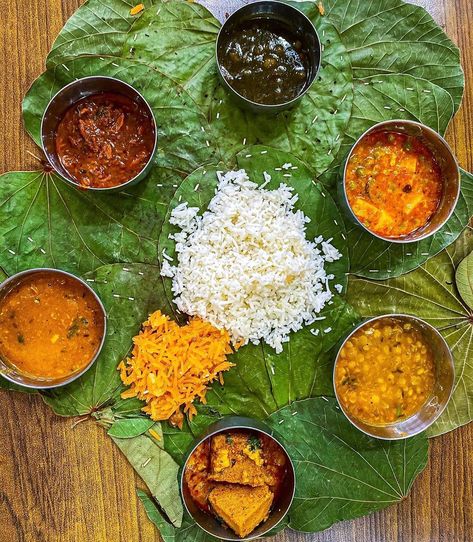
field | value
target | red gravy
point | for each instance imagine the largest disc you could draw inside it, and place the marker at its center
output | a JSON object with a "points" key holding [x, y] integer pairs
{"points": [[104, 140]]}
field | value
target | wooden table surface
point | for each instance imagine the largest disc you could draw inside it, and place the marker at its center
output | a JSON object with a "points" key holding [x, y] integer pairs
{"points": [[60, 483]]}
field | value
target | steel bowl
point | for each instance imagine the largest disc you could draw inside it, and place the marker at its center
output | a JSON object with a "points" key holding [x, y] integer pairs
{"points": [[10, 372], [450, 176], [437, 402], [208, 522], [71, 94], [296, 22]]}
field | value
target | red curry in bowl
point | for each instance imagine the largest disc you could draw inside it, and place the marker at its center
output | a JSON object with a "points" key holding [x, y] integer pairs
{"points": [[393, 183], [105, 140]]}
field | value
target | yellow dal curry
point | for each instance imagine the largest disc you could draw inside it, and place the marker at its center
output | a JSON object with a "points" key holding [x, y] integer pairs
{"points": [[385, 373]]}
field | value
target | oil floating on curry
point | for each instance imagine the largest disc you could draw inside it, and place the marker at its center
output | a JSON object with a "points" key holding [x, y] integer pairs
{"points": [[393, 183], [237, 476], [105, 140], [51, 326]]}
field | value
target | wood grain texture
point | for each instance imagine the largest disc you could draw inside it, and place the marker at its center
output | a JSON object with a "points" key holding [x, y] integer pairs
{"points": [[70, 484]]}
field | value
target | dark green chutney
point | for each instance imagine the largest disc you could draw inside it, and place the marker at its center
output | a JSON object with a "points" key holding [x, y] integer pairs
{"points": [[264, 62]]}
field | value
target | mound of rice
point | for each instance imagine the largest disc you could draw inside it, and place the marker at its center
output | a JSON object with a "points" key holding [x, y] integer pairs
{"points": [[245, 264]]}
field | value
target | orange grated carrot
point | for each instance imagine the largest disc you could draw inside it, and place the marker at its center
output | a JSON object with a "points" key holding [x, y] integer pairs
{"points": [[170, 366], [321, 8], [137, 9]]}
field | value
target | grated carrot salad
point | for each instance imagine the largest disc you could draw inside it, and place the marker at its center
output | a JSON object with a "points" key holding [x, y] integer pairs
{"points": [[171, 366]]}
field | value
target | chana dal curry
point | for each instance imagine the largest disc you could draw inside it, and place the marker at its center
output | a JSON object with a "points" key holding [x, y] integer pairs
{"points": [[51, 326], [237, 476], [393, 183], [385, 372]]}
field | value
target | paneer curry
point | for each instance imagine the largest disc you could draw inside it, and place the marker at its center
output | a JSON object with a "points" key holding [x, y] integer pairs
{"points": [[393, 183], [237, 476]]}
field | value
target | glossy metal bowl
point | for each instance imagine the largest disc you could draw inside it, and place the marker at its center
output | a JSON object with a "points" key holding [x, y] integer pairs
{"points": [[12, 373], [208, 522], [450, 176], [284, 14], [68, 96], [434, 406]]}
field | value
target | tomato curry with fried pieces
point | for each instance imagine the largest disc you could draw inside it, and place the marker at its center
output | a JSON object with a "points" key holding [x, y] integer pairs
{"points": [[105, 140], [393, 183]]}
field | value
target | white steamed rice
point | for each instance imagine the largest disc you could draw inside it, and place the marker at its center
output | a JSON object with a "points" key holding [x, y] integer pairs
{"points": [[245, 265]]}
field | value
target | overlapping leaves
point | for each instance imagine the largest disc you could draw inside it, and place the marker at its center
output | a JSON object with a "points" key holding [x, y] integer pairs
{"points": [[381, 60]]}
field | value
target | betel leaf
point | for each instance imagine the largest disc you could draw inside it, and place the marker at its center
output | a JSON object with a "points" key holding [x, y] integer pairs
{"points": [[464, 280], [373, 258], [177, 442], [385, 97], [129, 292], [189, 531], [430, 293], [176, 40], [391, 36], [376, 259], [341, 473], [44, 222], [85, 30], [157, 469], [262, 381], [311, 131], [325, 219], [130, 427]]}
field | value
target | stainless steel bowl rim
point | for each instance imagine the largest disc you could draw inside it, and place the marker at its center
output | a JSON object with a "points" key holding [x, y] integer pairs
{"points": [[32, 271], [70, 181], [269, 107], [375, 127], [228, 423], [381, 317]]}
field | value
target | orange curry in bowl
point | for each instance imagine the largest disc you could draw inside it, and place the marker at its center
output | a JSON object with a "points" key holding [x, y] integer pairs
{"points": [[393, 183], [237, 476], [51, 326]]}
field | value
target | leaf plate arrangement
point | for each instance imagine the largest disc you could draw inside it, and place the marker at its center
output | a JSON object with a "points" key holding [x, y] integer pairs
{"points": [[381, 60]]}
